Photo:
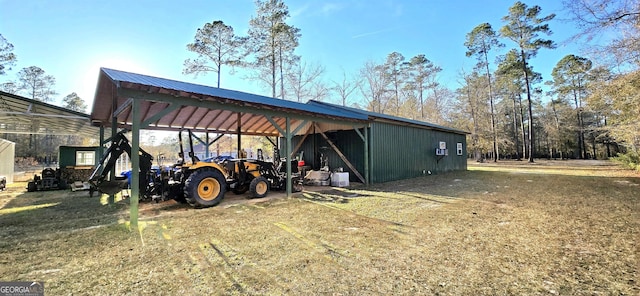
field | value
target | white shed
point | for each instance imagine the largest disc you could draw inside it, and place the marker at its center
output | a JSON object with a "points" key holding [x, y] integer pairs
{"points": [[7, 158]]}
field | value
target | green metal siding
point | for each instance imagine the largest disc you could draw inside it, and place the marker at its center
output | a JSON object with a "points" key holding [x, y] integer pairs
{"points": [[401, 152], [67, 155], [396, 152]]}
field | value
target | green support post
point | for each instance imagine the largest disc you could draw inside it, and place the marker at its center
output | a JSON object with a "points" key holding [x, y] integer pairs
{"points": [[239, 127], [135, 166], [288, 154], [366, 155], [206, 139], [112, 174], [101, 150]]}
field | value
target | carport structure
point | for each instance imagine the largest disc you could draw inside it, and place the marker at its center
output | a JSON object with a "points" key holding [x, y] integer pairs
{"points": [[20, 115], [132, 101]]}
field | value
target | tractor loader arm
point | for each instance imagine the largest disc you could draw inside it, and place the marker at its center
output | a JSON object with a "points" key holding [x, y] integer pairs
{"points": [[119, 144]]}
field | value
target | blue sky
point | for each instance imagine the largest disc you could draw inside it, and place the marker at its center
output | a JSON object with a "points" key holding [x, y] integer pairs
{"points": [[72, 39]]}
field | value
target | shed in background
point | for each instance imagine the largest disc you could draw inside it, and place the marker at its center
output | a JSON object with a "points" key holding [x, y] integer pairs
{"points": [[7, 159], [77, 163]]}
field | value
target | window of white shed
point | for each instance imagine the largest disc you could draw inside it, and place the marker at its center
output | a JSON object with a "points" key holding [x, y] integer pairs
{"points": [[85, 158]]}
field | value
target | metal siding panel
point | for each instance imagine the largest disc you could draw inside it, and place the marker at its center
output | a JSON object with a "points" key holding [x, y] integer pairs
{"points": [[67, 156], [401, 152], [396, 152]]}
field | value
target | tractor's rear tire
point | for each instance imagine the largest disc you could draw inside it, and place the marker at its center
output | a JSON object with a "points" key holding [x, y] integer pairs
{"points": [[31, 186], [205, 188], [259, 187]]}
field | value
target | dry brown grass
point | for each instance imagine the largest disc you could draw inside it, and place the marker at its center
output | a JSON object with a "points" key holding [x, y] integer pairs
{"points": [[567, 228]]}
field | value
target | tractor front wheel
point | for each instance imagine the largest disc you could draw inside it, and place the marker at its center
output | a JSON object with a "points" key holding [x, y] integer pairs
{"points": [[205, 188], [259, 187]]}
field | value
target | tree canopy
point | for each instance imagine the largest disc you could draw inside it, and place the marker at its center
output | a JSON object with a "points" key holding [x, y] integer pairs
{"points": [[7, 57], [214, 43], [272, 43], [36, 84], [73, 102]]}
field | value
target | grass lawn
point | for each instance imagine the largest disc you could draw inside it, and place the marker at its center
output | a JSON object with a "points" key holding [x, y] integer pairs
{"points": [[512, 228]]}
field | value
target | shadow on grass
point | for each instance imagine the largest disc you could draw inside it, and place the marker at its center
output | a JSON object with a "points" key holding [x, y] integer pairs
{"points": [[45, 212], [333, 195]]}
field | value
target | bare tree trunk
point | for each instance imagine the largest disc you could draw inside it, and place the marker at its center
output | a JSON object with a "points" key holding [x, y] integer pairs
{"points": [[273, 69], [530, 109], [219, 64], [493, 114], [421, 103], [557, 121], [515, 128], [524, 132], [474, 135], [582, 140], [281, 74]]}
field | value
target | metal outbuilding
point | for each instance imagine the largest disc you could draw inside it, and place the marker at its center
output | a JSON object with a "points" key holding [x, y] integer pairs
{"points": [[398, 148], [375, 147]]}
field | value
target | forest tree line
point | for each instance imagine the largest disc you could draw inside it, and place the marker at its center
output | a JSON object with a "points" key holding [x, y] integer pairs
{"points": [[588, 108]]}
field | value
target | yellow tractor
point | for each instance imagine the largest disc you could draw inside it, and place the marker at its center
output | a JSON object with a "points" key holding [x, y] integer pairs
{"points": [[205, 183], [199, 183]]}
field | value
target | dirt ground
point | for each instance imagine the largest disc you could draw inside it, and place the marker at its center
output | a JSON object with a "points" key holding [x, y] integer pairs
{"points": [[511, 228]]}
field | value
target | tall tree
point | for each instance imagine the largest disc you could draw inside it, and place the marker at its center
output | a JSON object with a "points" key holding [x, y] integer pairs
{"points": [[472, 102], [479, 42], [601, 102], [345, 88], [374, 86], [7, 57], [468, 91], [511, 82], [36, 84], [523, 26], [214, 43], [74, 102], [393, 69], [272, 42], [421, 74], [305, 81], [570, 77]]}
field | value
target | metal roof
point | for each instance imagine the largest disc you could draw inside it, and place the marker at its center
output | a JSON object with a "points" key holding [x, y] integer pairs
{"points": [[20, 115], [399, 120], [174, 105]]}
